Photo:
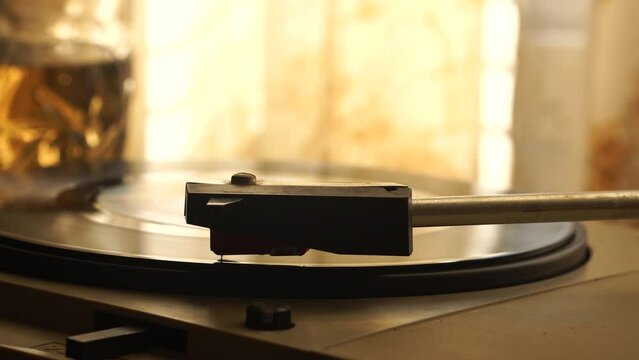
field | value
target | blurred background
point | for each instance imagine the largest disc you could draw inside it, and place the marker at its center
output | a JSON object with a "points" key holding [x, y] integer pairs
{"points": [[423, 86], [536, 95]]}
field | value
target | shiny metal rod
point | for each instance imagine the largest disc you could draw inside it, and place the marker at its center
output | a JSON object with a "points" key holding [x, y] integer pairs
{"points": [[524, 208]]}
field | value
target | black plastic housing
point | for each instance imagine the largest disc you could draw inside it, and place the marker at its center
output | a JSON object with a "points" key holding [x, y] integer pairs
{"points": [[367, 219]]}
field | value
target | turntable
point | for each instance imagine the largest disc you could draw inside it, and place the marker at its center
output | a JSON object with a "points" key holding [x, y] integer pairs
{"points": [[100, 263]]}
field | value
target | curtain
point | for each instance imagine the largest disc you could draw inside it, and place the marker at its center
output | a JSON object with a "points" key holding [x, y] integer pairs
{"points": [[385, 83]]}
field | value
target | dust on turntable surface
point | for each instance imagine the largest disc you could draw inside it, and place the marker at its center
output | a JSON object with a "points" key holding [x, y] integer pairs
{"points": [[125, 228]]}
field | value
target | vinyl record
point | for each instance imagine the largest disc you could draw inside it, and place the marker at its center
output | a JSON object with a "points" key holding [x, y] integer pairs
{"points": [[125, 228]]}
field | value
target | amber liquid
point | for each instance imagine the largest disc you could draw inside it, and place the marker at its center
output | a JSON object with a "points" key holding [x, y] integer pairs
{"points": [[55, 114]]}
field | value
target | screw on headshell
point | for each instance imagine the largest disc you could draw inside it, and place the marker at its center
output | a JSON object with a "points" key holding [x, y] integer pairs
{"points": [[243, 178]]}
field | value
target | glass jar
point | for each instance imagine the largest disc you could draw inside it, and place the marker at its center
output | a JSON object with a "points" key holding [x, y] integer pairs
{"points": [[65, 82]]}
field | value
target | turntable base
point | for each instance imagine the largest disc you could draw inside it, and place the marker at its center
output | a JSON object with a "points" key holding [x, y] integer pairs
{"points": [[588, 313], [585, 312]]}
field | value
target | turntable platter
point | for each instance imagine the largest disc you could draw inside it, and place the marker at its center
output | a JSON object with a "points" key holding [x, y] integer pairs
{"points": [[133, 234]]}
